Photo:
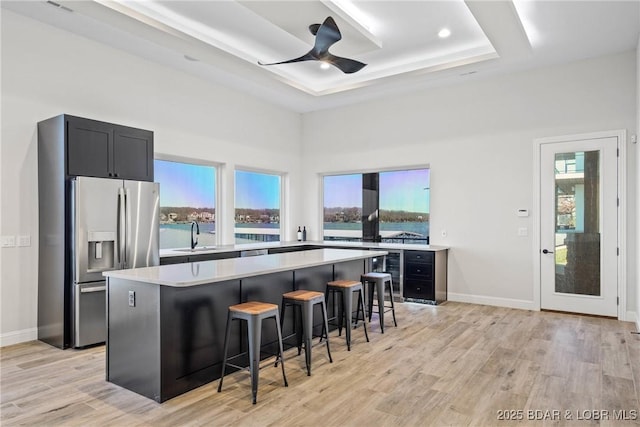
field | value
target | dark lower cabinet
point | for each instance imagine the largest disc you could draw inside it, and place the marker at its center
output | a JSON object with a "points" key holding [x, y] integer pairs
{"points": [[425, 276]]}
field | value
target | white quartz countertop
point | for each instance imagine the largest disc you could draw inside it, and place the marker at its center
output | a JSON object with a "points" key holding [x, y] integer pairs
{"points": [[166, 253], [198, 273]]}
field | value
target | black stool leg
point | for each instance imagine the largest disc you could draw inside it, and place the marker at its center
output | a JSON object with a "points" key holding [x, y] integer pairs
{"points": [[254, 327], [307, 326], [226, 347], [284, 305], [364, 321], [370, 299], [393, 308], [341, 311], [286, 384], [380, 292], [347, 306], [298, 312], [326, 329]]}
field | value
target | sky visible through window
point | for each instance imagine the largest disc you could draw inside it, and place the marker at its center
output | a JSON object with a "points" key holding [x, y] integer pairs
{"points": [[185, 185], [405, 190], [343, 191], [399, 190], [257, 190]]}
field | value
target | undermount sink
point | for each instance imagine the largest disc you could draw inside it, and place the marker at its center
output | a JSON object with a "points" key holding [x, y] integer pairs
{"points": [[198, 249]]}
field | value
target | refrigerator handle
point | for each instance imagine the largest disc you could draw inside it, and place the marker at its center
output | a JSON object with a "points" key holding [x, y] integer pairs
{"points": [[121, 228], [129, 258]]}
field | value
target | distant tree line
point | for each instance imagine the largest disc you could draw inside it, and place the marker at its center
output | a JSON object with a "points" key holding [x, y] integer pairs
{"points": [[182, 213], [354, 214], [257, 215]]}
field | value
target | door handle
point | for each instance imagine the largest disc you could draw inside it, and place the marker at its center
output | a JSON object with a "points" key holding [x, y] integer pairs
{"points": [[546, 251]]}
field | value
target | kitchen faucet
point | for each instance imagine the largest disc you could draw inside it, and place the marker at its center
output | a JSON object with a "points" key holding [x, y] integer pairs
{"points": [[194, 241]]}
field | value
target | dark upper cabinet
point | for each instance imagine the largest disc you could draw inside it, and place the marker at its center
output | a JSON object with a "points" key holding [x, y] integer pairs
{"points": [[106, 150], [133, 153]]}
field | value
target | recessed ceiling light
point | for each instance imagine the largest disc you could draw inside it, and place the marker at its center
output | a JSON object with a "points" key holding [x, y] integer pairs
{"points": [[52, 3], [325, 65], [444, 33]]}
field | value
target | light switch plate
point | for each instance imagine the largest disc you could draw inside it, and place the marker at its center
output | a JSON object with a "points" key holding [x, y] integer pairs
{"points": [[24, 240], [8, 241], [523, 231]]}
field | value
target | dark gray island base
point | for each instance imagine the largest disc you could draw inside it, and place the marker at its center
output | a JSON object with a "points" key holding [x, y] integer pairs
{"points": [[166, 324]]}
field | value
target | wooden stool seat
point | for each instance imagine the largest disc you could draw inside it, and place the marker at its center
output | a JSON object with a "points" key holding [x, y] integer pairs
{"points": [[344, 283], [253, 307], [303, 295]]}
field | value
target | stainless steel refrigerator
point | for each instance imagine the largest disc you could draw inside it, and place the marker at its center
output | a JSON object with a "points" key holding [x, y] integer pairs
{"points": [[114, 226]]}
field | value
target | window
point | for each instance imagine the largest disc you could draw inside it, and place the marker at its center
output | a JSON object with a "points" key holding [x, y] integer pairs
{"points": [[390, 206], [404, 205], [257, 207], [187, 193], [343, 207]]}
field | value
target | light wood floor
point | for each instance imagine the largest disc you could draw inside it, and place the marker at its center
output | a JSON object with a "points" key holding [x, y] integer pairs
{"points": [[456, 364]]}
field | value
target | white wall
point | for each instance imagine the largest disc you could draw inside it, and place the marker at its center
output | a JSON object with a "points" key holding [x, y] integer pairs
{"points": [[637, 150], [478, 138], [46, 72]]}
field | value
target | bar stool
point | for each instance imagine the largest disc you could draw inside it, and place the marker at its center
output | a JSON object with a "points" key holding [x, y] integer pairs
{"points": [[347, 288], [380, 280], [253, 313], [305, 300]]}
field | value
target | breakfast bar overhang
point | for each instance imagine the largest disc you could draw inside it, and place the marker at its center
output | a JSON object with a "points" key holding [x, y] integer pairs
{"points": [[166, 323]]}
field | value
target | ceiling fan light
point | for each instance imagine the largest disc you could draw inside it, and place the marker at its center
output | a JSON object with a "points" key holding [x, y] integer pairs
{"points": [[325, 65], [444, 33]]}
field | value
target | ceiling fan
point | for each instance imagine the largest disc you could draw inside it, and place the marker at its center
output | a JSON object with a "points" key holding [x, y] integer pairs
{"points": [[326, 34]]}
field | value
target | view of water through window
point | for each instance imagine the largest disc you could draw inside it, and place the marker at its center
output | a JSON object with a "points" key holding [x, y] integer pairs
{"points": [[403, 210]]}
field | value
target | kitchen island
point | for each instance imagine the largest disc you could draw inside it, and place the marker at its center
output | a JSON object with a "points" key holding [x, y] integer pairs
{"points": [[166, 324]]}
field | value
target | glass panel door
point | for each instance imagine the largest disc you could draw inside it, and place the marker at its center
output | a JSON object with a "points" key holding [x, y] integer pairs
{"points": [[578, 226]]}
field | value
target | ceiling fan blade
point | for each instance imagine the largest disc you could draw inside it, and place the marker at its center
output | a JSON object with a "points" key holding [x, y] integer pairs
{"points": [[346, 65], [326, 35], [305, 57], [313, 28]]}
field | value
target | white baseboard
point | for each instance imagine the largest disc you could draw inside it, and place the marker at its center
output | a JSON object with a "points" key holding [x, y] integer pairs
{"points": [[632, 316], [495, 301], [17, 337]]}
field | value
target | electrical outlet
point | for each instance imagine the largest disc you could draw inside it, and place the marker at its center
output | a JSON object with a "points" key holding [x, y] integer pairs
{"points": [[132, 298], [8, 241], [523, 231], [24, 240]]}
